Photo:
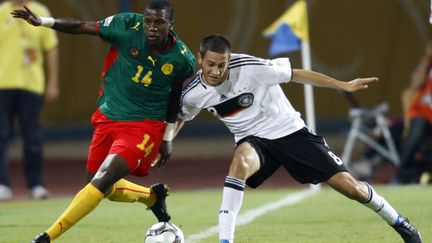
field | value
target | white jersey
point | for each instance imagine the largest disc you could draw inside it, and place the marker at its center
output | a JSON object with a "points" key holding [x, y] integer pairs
{"points": [[250, 101]]}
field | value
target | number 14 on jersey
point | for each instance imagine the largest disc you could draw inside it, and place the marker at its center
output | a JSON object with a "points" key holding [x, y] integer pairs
{"points": [[146, 80]]}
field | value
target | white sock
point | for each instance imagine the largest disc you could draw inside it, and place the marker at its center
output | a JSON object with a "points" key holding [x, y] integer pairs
{"points": [[381, 206], [232, 199]]}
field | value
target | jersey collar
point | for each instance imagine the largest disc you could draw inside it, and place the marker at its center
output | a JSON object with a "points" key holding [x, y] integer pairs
{"points": [[174, 41]]}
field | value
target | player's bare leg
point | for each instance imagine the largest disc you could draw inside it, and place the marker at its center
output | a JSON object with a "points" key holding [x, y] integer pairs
{"points": [[245, 162], [362, 192], [113, 169], [125, 191]]}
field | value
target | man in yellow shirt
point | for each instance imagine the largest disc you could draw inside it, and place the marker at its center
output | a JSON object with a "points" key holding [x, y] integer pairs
{"points": [[24, 51]]}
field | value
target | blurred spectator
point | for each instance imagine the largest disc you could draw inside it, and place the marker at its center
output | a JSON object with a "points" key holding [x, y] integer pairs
{"points": [[417, 107], [374, 124], [370, 159], [24, 50]]}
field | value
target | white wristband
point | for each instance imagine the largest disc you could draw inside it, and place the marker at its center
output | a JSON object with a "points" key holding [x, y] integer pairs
{"points": [[47, 22], [169, 132]]}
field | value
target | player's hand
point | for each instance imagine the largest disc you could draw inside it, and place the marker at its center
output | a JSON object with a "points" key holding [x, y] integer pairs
{"points": [[165, 151], [27, 15], [360, 83]]}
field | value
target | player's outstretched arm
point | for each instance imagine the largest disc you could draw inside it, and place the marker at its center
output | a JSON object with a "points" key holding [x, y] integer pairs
{"points": [[166, 148], [321, 80], [71, 26]]}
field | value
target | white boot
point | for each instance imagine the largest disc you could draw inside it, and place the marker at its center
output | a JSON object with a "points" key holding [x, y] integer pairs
{"points": [[39, 192], [5, 193]]}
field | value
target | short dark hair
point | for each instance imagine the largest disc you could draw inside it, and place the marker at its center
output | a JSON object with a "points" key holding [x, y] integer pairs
{"points": [[162, 5], [215, 43]]}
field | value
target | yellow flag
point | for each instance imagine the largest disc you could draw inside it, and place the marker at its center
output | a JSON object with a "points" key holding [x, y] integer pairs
{"points": [[296, 18]]}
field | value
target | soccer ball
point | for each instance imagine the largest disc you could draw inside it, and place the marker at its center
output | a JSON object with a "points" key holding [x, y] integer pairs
{"points": [[164, 232]]}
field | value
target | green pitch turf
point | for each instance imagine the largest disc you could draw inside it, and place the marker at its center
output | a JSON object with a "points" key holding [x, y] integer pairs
{"points": [[325, 217]]}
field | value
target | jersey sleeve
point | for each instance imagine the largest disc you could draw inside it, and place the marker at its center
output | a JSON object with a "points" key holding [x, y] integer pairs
{"points": [[188, 70], [188, 110], [109, 27], [276, 71], [188, 113]]}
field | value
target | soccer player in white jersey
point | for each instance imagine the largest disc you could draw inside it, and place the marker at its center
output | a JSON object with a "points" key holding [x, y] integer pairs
{"points": [[244, 93]]}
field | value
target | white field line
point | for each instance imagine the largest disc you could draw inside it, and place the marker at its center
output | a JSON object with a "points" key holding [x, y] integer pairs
{"points": [[254, 213]]}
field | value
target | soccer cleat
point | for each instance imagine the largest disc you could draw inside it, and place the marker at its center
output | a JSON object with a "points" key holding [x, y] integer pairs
{"points": [[159, 207], [407, 231], [41, 238]]}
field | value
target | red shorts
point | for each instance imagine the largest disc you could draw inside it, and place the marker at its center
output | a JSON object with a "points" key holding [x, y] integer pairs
{"points": [[136, 142]]}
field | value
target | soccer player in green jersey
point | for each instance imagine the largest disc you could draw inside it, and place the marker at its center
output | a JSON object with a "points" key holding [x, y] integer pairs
{"points": [[142, 79]]}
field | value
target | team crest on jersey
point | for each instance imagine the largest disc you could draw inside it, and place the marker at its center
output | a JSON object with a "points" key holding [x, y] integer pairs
{"points": [[134, 52], [245, 100], [167, 68]]}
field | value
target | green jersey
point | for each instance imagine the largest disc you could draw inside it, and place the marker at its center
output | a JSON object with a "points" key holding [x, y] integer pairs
{"points": [[136, 80]]}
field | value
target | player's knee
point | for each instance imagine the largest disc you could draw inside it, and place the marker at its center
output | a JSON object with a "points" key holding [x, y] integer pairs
{"points": [[102, 181], [240, 167], [112, 169]]}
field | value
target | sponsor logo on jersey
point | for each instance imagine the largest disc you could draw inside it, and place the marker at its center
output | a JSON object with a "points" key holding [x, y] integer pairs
{"points": [[167, 68], [136, 26], [108, 20], [150, 58], [183, 51], [134, 52], [223, 97]]}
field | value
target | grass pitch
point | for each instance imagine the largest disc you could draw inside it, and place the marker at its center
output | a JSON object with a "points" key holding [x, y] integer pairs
{"points": [[325, 217]]}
